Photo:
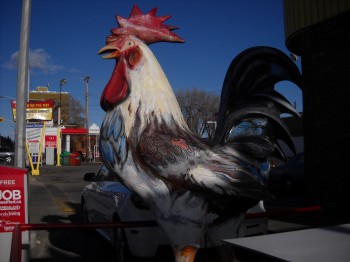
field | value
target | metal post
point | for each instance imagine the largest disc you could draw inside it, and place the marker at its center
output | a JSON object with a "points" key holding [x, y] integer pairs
{"points": [[86, 79], [22, 84]]}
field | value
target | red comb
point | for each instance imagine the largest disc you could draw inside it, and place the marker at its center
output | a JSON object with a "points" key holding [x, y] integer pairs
{"points": [[147, 27]]}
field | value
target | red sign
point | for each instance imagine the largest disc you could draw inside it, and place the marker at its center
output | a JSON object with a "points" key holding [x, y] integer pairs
{"points": [[12, 198], [50, 141]]}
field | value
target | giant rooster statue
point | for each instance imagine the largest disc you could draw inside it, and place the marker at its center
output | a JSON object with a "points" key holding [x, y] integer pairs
{"points": [[191, 186]]}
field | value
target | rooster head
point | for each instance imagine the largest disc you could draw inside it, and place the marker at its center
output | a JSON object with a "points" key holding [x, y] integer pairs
{"points": [[123, 45]]}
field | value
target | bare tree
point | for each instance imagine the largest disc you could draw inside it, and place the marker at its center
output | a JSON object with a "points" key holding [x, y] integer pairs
{"points": [[73, 112], [199, 109]]}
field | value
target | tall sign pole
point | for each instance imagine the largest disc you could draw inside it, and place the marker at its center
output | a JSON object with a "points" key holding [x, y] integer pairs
{"points": [[22, 85]]}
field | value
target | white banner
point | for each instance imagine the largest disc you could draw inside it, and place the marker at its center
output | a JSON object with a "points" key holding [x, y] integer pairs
{"points": [[33, 134]]}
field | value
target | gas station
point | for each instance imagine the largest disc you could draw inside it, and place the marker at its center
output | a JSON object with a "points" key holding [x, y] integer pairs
{"points": [[44, 143]]}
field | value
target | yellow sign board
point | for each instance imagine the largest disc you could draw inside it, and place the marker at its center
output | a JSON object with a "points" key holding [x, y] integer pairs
{"points": [[41, 110]]}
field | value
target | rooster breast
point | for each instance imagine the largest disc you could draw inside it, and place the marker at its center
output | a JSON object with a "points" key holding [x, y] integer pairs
{"points": [[117, 153]]}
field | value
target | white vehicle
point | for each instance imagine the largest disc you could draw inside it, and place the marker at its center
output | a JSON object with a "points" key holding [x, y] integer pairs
{"points": [[107, 200]]}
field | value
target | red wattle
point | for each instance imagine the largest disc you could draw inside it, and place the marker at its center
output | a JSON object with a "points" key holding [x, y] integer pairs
{"points": [[117, 87]]}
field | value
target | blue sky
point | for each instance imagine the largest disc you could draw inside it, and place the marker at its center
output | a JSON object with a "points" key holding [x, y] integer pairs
{"points": [[65, 36]]}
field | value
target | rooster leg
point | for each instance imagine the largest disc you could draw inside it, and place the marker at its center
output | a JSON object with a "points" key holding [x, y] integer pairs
{"points": [[185, 254], [226, 253]]}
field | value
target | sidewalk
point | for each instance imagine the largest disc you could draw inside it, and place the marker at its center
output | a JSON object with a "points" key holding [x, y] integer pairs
{"points": [[299, 221]]}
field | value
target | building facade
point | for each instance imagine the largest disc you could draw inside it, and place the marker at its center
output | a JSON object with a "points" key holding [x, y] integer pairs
{"points": [[318, 31]]}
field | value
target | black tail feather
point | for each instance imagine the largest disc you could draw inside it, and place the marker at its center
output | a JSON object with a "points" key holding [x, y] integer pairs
{"points": [[248, 92]]}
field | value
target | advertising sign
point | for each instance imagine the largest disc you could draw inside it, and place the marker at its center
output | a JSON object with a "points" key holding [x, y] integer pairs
{"points": [[50, 141], [34, 145], [33, 136], [40, 110], [13, 207], [12, 201]]}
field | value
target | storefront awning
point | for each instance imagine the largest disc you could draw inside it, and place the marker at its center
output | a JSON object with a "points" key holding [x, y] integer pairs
{"points": [[74, 131]]}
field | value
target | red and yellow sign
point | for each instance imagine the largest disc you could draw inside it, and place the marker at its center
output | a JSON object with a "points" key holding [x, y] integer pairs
{"points": [[41, 110]]}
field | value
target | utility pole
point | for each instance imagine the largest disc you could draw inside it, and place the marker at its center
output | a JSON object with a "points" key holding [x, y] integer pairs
{"points": [[59, 133], [88, 153], [62, 83]]}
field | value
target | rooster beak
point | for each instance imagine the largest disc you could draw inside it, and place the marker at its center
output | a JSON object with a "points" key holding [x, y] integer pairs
{"points": [[112, 51]]}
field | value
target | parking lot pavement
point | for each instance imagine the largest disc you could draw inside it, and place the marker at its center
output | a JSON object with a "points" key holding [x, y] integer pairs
{"points": [[54, 197]]}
